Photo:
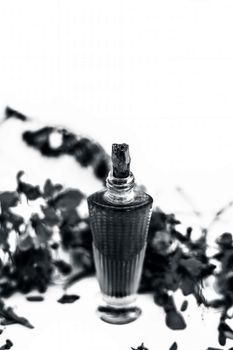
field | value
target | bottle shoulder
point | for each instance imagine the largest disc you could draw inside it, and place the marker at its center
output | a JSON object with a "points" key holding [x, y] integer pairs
{"points": [[140, 199]]}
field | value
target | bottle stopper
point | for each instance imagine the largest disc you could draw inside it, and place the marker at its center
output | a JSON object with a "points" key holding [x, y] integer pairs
{"points": [[120, 160]]}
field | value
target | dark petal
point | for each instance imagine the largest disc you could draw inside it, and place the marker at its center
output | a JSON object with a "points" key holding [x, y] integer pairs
{"points": [[225, 240], [179, 236], [226, 330], [187, 286], [63, 267], [141, 347], [184, 306], [25, 242], [161, 298], [171, 219], [175, 320], [8, 199], [10, 317], [157, 222], [54, 245], [11, 113], [82, 258], [51, 218], [221, 338], [33, 269], [70, 217], [189, 232], [35, 298], [84, 152], [50, 189], [172, 281], [3, 237], [174, 346], [43, 232], [7, 289], [15, 219], [38, 138], [7, 345], [101, 169], [68, 299], [69, 142], [68, 199], [217, 303], [192, 266], [31, 192]]}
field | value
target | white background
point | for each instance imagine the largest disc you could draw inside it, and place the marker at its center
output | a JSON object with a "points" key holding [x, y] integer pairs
{"points": [[155, 74]]}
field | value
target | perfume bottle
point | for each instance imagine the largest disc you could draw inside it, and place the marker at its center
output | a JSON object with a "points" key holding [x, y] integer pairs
{"points": [[119, 219]]}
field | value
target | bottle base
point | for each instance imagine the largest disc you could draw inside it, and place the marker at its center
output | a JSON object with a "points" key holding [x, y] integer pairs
{"points": [[118, 315]]}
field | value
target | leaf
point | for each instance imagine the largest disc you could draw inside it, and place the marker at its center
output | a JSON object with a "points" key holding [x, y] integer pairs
{"points": [[175, 320], [15, 219], [184, 306], [25, 242], [70, 217], [8, 199], [82, 258], [192, 266], [63, 267], [3, 237], [68, 299], [30, 191], [39, 138], [174, 346], [187, 285], [50, 189], [36, 298], [7, 345], [217, 303], [83, 150], [141, 347], [225, 240], [33, 269], [68, 199], [51, 218], [226, 330], [11, 113], [8, 316], [43, 232]]}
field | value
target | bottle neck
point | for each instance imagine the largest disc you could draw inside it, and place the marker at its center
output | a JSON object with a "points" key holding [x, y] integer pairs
{"points": [[120, 190]]}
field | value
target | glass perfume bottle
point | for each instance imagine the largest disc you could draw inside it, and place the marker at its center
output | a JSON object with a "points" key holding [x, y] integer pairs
{"points": [[119, 218]]}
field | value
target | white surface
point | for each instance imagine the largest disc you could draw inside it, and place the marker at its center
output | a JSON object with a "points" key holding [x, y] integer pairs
{"points": [[155, 74], [77, 326]]}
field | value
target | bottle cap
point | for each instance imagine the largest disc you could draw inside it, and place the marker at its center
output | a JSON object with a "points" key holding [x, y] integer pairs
{"points": [[120, 160]]}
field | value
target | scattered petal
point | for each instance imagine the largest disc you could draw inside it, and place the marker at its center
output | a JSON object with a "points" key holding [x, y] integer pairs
{"points": [[174, 346], [35, 298], [184, 306], [68, 299], [175, 320]]}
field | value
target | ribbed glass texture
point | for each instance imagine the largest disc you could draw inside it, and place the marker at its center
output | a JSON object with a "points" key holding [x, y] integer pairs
{"points": [[119, 242]]}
